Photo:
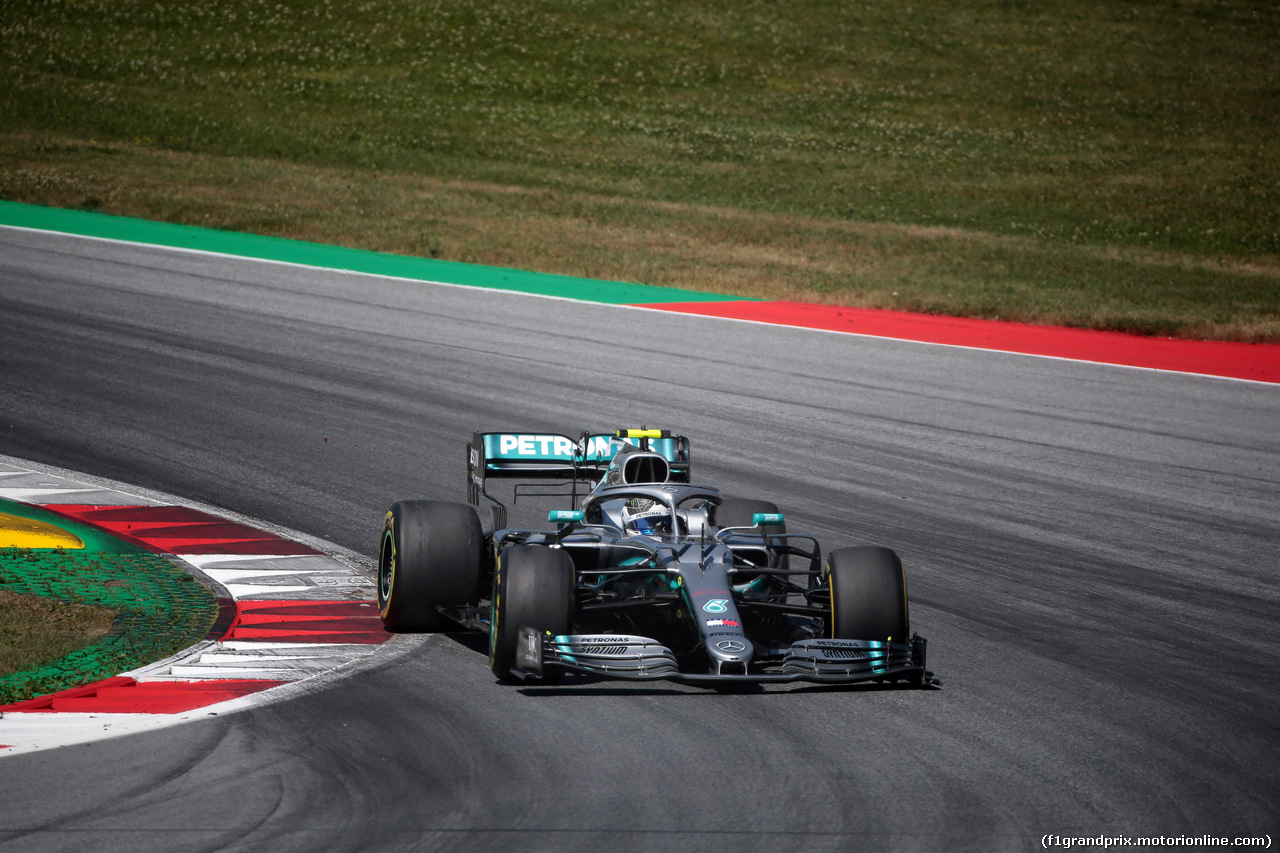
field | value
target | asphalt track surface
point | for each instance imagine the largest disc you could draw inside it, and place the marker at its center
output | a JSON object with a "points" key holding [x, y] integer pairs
{"points": [[1091, 552]]}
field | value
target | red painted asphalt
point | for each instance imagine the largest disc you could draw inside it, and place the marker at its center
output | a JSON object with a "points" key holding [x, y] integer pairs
{"points": [[123, 695], [181, 530], [1256, 362], [308, 622]]}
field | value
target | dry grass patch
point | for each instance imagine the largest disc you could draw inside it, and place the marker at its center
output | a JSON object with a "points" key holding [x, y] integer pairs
{"points": [[35, 630]]}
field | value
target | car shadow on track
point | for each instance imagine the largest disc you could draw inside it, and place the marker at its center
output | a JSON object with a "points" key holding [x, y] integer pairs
{"points": [[582, 685]]}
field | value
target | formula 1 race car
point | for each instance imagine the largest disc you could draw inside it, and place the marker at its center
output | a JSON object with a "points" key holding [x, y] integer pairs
{"points": [[646, 576]]}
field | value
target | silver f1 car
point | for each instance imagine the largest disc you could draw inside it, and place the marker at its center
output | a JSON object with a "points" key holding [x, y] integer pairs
{"points": [[646, 576]]}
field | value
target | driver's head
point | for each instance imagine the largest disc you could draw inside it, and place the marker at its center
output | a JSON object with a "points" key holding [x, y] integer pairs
{"points": [[647, 517]]}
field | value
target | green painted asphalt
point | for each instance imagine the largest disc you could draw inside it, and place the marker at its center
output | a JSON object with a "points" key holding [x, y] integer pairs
{"points": [[159, 609], [90, 224]]}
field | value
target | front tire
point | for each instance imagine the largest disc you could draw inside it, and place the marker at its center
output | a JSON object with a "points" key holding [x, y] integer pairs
{"points": [[429, 556], [532, 587], [868, 595]]}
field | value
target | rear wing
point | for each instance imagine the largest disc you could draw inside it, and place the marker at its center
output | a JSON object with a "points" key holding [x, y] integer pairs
{"points": [[539, 456]]}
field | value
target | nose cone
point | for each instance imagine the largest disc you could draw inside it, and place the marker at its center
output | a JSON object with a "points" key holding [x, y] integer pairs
{"points": [[730, 648]]}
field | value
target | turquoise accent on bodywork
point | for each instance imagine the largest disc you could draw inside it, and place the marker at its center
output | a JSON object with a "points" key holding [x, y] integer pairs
{"points": [[878, 653], [751, 585], [565, 515], [766, 518], [546, 447], [561, 642], [530, 447], [630, 562]]}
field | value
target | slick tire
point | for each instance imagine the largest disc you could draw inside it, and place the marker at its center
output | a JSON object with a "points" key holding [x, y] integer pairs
{"points": [[532, 587], [868, 595], [429, 555], [738, 512]]}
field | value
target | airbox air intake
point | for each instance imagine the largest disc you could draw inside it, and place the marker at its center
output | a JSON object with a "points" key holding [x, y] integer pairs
{"points": [[645, 468]]}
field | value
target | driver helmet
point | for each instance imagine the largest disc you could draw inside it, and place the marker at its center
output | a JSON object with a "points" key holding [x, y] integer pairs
{"points": [[647, 517]]}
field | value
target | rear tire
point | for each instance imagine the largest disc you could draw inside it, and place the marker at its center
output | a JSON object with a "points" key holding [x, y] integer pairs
{"points": [[868, 595], [532, 587], [429, 556]]}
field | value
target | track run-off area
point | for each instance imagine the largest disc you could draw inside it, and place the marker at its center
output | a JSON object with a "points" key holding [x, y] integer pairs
{"points": [[1258, 362], [1089, 550]]}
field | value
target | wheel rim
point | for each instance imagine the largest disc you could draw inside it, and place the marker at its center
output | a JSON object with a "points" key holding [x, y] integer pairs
{"points": [[386, 567]]}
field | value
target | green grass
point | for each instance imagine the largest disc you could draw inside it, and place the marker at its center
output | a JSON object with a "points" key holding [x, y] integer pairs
{"points": [[1102, 164], [74, 617]]}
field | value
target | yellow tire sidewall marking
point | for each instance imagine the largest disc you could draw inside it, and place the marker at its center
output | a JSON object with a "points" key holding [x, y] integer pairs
{"points": [[389, 532]]}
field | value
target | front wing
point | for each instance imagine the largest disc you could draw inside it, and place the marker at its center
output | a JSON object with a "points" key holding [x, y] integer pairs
{"points": [[640, 658]]}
